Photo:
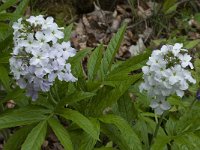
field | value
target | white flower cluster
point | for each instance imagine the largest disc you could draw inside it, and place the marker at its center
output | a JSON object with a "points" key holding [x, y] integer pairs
{"points": [[166, 74], [38, 58]]}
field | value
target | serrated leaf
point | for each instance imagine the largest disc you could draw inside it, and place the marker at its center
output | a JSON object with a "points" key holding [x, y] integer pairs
{"points": [[80, 120], [16, 140], [7, 4], [67, 32], [94, 62], [87, 142], [125, 107], [5, 78], [22, 116], [61, 133], [131, 64], [36, 137], [111, 51], [76, 63], [131, 138]]}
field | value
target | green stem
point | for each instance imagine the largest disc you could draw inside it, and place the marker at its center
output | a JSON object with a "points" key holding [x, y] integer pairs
{"points": [[56, 92], [158, 126], [192, 103], [52, 98]]}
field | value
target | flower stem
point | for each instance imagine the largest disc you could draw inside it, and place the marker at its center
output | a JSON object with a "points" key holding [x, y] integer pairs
{"points": [[52, 98], [192, 103], [157, 127]]}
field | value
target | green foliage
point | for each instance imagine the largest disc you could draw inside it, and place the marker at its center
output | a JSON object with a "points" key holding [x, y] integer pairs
{"points": [[103, 110], [94, 62], [131, 139], [111, 51], [80, 120], [36, 137], [17, 139], [61, 133]]}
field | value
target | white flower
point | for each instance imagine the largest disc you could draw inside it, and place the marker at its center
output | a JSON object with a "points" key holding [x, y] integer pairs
{"points": [[185, 60], [177, 48], [160, 106], [166, 74], [37, 58]]}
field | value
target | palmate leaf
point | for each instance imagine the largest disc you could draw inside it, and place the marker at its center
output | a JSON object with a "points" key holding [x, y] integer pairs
{"points": [[36, 137], [16, 140], [61, 133], [94, 62], [80, 120], [111, 51], [130, 137], [23, 116]]}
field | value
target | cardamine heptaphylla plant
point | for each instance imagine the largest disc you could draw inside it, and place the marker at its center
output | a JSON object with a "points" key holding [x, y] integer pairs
{"points": [[166, 73], [38, 57]]}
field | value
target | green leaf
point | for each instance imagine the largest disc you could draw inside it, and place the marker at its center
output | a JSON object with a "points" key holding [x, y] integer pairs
{"points": [[4, 59], [160, 142], [76, 63], [17, 139], [80, 120], [87, 142], [7, 4], [5, 30], [61, 133], [197, 17], [8, 16], [22, 116], [111, 51], [115, 135], [67, 32], [125, 107], [107, 97], [127, 132], [4, 78], [21, 7], [192, 44], [74, 97], [36, 137], [131, 64], [94, 62], [169, 6]]}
